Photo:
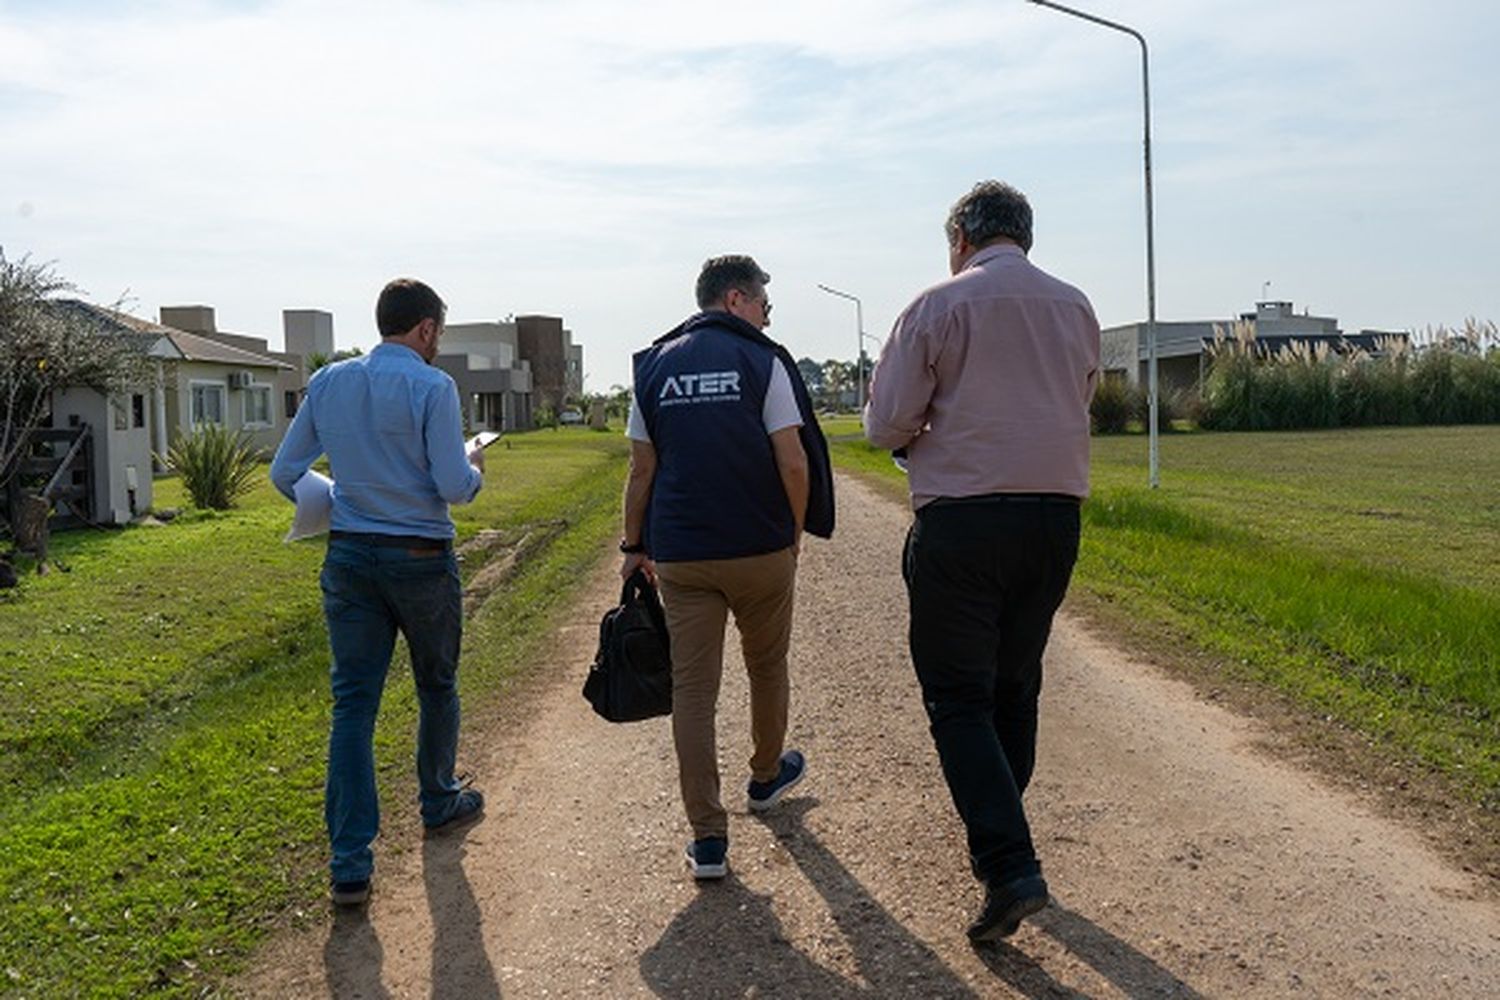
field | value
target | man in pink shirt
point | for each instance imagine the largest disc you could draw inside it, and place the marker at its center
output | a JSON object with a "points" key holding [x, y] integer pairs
{"points": [[985, 384]]}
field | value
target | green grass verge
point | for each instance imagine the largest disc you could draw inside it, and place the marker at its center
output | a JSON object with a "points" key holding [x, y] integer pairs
{"points": [[1354, 571], [184, 812]]}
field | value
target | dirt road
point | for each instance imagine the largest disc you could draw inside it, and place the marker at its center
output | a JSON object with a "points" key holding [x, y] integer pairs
{"points": [[1183, 860]]}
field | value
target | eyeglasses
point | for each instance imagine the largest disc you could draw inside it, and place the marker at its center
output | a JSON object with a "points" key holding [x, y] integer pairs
{"points": [[763, 299]]}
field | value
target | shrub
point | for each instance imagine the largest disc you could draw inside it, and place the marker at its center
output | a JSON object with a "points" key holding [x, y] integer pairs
{"points": [[1173, 403], [216, 466], [1113, 404]]}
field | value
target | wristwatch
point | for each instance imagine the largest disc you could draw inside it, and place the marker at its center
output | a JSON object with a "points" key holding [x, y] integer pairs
{"points": [[639, 548]]}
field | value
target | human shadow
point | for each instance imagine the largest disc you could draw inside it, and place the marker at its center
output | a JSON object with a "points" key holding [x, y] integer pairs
{"points": [[729, 943], [1134, 973], [890, 958], [352, 956], [460, 964]]}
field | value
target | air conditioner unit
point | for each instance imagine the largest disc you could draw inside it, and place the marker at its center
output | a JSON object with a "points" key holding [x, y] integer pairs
{"points": [[241, 379]]}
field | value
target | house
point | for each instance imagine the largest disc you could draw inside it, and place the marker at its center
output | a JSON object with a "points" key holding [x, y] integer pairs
{"points": [[493, 382], [556, 362], [104, 444], [1182, 347], [201, 376], [507, 370], [235, 380]]}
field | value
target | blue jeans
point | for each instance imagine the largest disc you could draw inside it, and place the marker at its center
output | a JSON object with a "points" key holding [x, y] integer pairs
{"points": [[370, 592]]}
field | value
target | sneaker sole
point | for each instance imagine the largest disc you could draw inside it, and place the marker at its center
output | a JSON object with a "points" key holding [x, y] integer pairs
{"points": [[761, 805], [350, 898], [1011, 921], [706, 873]]}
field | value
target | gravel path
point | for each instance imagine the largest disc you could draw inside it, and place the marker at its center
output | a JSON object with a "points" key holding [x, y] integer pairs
{"points": [[1183, 860]]}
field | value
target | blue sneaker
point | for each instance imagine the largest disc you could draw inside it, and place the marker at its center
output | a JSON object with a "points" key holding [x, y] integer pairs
{"points": [[707, 858], [762, 795]]}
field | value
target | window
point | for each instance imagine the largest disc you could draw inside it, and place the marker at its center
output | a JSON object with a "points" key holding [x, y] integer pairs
{"points": [[258, 406], [289, 400], [208, 403], [122, 415], [138, 410]]}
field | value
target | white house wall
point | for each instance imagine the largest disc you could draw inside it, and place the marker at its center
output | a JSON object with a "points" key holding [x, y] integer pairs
{"points": [[121, 455]]}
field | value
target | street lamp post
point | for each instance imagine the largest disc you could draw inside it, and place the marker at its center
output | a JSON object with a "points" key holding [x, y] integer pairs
{"points": [[1155, 466], [859, 345]]}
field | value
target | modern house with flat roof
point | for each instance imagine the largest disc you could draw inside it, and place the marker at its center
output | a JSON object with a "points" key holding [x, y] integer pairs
{"points": [[1182, 347], [494, 384], [507, 370]]}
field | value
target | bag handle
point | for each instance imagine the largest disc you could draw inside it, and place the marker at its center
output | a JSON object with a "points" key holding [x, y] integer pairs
{"points": [[638, 587], [635, 585]]}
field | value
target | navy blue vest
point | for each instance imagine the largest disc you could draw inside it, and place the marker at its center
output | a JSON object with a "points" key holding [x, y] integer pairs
{"points": [[717, 492]]}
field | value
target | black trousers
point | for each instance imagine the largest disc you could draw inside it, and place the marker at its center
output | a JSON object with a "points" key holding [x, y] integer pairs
{"points": [[984, 577]]}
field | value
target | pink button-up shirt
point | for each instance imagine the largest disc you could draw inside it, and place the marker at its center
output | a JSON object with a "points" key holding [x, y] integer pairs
{"points": [[986, 381]]}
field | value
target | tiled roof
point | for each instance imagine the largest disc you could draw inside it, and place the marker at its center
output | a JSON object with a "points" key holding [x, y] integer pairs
{"points": [[196, 348], [190, 346]]}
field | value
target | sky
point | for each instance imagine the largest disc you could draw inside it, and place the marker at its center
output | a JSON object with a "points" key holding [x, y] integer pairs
{"points": [[583, 158]]}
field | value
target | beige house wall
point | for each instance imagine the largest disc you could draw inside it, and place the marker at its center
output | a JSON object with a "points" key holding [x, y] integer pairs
{"points": [[182, 376]]}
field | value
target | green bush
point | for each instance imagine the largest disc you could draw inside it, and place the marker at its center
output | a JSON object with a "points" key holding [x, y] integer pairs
{"points": [[1113, 404], [216, 466]]}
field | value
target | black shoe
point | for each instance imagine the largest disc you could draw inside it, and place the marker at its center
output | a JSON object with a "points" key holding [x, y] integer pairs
{"points": [[468, 808], [1005, 906], [350, 893]]}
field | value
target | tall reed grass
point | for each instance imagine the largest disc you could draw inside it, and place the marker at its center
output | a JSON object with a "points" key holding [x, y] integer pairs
{"points": [[1439, 377]]}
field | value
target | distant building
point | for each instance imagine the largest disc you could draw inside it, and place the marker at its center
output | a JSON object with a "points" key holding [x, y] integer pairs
{"points": [[556, 362], [493, 382], [507, 369], [109, 445], [263, 397], [1182, 347]]}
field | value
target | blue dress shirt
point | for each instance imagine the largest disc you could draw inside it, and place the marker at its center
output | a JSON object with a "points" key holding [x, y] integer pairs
{"points": [[390, 426]]}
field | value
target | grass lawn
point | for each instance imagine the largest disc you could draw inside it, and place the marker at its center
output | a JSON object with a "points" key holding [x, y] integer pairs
{"points": [[165, 712], [1356, 571]]}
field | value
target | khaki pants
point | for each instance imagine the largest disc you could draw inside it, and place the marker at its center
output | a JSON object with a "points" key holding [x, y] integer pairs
{"points": [[698, 597]]}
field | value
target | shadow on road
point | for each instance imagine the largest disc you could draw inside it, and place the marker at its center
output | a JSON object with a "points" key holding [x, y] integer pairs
{"points": [[352, 956], [1134, 973], [460, 965], [728, 941]]}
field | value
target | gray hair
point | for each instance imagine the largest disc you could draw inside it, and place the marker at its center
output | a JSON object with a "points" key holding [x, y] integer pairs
{"points": [[991, 211], [720, 274]]}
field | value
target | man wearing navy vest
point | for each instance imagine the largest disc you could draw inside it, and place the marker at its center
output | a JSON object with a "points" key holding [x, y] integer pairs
{"points": [[728, 467]]}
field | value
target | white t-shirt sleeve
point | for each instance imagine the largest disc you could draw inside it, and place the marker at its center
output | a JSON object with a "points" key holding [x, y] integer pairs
{"points": [[780, 410], [635, 425]]}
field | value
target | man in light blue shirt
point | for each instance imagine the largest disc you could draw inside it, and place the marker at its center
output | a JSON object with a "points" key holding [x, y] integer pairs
{"points": [[389, 423]]}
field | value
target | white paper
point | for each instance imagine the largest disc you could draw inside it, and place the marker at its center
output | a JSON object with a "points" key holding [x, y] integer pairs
{"points": [[481, 440], [314, 493]]}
